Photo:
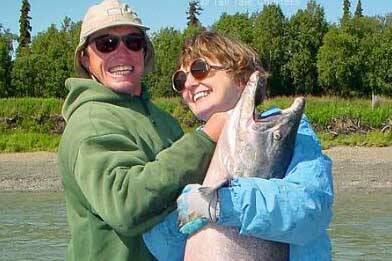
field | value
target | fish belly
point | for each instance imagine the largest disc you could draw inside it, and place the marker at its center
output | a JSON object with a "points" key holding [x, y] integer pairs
{"points": [[223, 243], [214, 243]]}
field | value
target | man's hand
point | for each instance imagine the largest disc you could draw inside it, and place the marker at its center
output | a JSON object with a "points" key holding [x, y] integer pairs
{"points": [[215, 124]]}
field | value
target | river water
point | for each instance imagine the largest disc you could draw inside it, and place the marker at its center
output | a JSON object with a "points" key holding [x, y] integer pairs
{"points": [[33, 226]]}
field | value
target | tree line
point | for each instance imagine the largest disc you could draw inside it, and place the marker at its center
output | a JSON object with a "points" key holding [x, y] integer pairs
{"points": [[304, 54]]}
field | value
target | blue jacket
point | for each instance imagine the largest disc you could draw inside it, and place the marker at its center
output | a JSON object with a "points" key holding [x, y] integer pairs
{"points": [[296, 209]]}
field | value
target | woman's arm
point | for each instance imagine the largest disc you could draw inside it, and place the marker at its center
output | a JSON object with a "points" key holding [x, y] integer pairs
{"points": [[294, 209], [165, 241]]}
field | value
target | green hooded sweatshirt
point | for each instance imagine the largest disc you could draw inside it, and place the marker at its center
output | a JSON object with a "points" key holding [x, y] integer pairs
{"points": [[123, 162]]}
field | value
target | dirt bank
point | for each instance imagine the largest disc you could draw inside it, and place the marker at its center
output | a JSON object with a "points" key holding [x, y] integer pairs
{"points": [[361, 169], [355, 168], [36, 171]]}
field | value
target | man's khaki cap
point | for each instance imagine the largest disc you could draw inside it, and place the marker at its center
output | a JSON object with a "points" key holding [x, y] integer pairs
{"points": [[107, 14]]}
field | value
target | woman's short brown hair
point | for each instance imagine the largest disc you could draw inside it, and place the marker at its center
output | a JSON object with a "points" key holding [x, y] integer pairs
{"points": [[241, 59]]}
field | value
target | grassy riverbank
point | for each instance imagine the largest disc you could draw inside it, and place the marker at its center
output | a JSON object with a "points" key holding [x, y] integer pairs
{"points": [[31, 124]]}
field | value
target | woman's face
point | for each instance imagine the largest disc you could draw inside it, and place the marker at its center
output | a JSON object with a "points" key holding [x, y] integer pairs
{"points": [[216, 93]]}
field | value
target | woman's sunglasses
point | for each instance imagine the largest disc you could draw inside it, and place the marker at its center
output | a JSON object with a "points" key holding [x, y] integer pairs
{"points": [[108, 42], [199, 69]]}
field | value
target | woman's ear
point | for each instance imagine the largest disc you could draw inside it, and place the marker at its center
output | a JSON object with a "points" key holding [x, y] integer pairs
{"points": [[240, 85]]}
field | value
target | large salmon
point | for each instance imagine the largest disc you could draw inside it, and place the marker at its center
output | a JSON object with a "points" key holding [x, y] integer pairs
{"points": [[249, 146]]}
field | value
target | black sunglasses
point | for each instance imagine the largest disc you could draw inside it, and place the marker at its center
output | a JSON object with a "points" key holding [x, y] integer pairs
{"points": [[109, 42], [199, 69]]}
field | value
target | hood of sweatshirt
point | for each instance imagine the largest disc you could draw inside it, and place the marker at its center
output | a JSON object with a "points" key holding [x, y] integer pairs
{"points": [[87, 90]]}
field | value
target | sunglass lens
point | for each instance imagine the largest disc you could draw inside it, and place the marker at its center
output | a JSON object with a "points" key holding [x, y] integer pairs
{"points": [[179, 80], [134, 42], [199, 69], [107, 43]]}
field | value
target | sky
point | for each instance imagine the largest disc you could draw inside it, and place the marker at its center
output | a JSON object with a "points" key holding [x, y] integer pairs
{"points": [[170, 13]]}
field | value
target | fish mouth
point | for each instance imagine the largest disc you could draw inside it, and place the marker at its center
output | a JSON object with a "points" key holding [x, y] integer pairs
{"points": [[247, 114], [258, 94], [263, 118], [296, 110]]}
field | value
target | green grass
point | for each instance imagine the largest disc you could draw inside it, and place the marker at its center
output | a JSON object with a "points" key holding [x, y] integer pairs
{"points": [[168, 104], [18, 141], [32, 134], [30, 106], [321, 110], [371, 139]]}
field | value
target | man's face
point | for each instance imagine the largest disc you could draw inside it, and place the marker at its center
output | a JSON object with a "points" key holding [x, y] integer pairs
{"points": [[120, 69]]}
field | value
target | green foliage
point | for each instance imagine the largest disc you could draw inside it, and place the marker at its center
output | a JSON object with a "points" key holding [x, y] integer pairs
{"points": [[41, 70], [5, 67], [338, 63], [6, 51], [179, 111], [23, 73], [238, 26], [270, 42], [167, 104], [167, 43], [346, 12], [194, 10], [354, 59], [191, 32], [378, 48], [361, 27], [302, 55], [305, 33], [24, 26], [358, 9]]}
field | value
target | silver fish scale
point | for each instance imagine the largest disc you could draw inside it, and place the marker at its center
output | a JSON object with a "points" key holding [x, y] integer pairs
{"points": [[244, 166], [235, 155]]}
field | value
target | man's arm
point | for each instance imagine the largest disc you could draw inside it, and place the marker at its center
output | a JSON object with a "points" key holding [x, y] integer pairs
{"points": [[129, 192]]}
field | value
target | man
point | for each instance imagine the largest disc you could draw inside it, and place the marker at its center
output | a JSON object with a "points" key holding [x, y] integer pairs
{"points": [[123, 160]]}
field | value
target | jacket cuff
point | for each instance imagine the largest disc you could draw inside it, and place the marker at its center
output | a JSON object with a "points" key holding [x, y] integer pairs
{"points": [[206, 139], [230, 214]]}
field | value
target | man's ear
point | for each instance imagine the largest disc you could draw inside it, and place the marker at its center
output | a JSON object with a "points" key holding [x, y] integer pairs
{"points": [[83, 58]]}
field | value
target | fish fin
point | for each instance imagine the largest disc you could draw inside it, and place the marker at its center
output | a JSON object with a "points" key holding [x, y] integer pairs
{"points": [[205, 191], [208, 190]]}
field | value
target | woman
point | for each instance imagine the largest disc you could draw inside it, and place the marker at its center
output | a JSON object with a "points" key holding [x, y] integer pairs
{"points": [[295, 210]]}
